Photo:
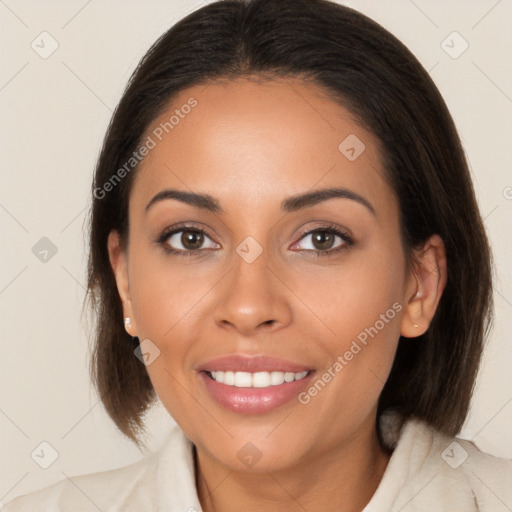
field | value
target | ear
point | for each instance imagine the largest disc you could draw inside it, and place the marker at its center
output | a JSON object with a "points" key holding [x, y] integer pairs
{"points": [[119, 263], [425, 284]]}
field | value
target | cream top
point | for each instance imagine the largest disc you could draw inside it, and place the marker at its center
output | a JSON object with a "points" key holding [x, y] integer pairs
{"points": [[427, 472]]}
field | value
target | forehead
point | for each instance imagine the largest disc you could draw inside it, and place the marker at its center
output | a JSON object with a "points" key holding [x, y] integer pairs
{"points": [[252, 143]]}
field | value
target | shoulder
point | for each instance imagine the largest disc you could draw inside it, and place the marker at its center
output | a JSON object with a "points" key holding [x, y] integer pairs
{"points": [[431, 471], [84, 492], [489, 477], [91, 492], [130, 488]]}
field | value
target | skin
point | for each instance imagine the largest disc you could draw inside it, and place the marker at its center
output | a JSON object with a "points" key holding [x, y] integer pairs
{"points": [[252, 145]]}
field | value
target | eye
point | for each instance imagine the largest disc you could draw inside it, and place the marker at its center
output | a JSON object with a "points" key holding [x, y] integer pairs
{"points": [[322, 240], [190, 241], [186, 241]]}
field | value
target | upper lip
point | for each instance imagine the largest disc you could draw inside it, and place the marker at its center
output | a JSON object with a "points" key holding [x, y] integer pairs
{"points": [[252, 364]]}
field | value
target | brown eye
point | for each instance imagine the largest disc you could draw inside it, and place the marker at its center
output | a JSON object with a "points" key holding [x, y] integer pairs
{"points": [[323, 240], [192, 240], [186, 240]]}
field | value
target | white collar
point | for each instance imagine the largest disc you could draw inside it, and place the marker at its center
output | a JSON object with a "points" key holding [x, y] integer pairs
{"points": [[420, 476]]}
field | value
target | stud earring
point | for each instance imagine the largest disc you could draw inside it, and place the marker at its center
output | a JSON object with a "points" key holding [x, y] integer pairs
{"points": [[128, 323], [415, 326]]}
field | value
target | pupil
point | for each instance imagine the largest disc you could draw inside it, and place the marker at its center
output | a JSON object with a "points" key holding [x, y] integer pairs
{"points": [[192, 239], [323, 240]]}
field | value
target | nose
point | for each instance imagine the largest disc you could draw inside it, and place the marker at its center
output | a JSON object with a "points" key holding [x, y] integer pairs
{"points": [[252, 297]]}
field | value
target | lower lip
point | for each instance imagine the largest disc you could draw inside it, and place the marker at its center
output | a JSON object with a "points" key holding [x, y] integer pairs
{"points": [[254, 400]]}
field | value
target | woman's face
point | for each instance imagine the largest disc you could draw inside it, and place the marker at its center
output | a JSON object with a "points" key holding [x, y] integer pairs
{"points": [[249, 292]]}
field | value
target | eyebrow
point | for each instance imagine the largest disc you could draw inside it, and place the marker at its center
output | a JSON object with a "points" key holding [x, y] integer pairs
{"points": [[291, 204]]}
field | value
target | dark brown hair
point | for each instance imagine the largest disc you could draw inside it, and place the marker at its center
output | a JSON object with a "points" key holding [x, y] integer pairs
{"points": [[365, 68]]}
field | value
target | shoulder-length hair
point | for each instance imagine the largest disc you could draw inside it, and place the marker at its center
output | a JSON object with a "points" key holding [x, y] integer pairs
{"points": [[367, 70]]}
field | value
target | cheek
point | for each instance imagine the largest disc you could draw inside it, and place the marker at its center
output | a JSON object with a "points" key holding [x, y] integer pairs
{"points": [[359, 360], [169, 298], [363, 309], [166, 293], [353, 297]]}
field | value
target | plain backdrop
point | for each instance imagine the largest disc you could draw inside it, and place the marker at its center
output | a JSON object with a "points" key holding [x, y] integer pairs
{"points": [[54, 112]]}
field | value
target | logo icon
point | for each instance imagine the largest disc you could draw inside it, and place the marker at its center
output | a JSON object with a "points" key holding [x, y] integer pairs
{"points": [[351, 147], [44, 250], [454, 455], [249, 249], [454, 45], [249, 455], [147, 352], [44, 45], [44, 455]]}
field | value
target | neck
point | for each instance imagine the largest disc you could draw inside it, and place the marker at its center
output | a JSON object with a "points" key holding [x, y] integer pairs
{"points": [[342, 478]]}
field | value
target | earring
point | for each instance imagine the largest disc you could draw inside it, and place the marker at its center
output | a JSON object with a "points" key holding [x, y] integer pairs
{"points": [[415, 326], [127, 323]]}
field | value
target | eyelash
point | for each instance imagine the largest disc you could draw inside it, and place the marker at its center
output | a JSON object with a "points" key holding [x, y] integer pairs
{"points": [[348, 241]]}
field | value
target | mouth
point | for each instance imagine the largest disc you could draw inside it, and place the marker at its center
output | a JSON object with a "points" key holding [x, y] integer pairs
{"points": [[253, 385], [255, 380]]}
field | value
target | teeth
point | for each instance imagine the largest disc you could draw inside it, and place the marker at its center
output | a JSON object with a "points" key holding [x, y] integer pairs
{"points": [[243, 379], [261, 380], [256, 380]]}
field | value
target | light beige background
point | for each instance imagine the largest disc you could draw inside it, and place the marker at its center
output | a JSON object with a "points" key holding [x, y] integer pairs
{"points": [[54, 113]]}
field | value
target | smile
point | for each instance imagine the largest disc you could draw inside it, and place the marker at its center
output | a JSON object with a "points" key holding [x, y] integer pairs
{"points": [[253, 384], [257, 379]]}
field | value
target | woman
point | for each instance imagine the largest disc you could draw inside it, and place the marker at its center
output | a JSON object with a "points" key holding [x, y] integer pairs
{"points": [[286, 250]]}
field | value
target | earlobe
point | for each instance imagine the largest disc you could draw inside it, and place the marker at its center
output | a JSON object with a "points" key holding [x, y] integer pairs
{"points": [[426, 283], [119, 264]]}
